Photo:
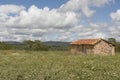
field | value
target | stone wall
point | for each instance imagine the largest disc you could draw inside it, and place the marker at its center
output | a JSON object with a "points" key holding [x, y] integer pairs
{"points": [[104, 48], [77, 49], [89, 49]]}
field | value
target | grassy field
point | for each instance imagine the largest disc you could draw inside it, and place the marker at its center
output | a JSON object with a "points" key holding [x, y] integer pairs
{"points": [[28, 65]]}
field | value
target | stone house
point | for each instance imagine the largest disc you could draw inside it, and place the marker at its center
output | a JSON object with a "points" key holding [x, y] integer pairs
{"points": [[92, 46]]}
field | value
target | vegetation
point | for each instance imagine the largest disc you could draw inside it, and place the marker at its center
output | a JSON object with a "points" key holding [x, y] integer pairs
{"points": [[57, 65], [117, 44], [36, 45], [34, 60]]}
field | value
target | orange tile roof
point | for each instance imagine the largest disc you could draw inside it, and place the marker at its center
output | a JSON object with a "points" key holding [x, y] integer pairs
{"points": [[86, 41]]}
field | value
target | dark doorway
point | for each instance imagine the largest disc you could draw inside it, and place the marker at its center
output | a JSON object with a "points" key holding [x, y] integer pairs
{"points": [[83, 49]]}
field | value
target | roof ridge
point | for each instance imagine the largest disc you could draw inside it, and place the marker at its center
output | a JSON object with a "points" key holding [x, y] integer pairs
{"points": [[87, 41]]}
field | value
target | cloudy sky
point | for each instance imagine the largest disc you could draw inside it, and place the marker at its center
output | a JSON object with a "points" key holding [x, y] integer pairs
{"points": [[59, 20]]}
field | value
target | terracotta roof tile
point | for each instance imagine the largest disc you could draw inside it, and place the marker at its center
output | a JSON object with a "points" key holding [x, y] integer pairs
{"points": [[86, 41]]}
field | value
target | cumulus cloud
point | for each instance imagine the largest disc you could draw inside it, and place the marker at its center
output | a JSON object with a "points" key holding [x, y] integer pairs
{"points": [[34, 22], [115, 28], [84, 6], [42, 18], [116, 16], [93, 30], [100, 3], [45, 18], [7, 9], [63, 23]]}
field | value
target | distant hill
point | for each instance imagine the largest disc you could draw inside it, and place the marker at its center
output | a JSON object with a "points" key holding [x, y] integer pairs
{"points": [[56, 43], [49, 43], [14, 42]]}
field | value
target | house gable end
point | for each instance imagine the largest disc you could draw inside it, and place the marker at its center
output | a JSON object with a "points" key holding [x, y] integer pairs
{"points": [[104, 47]]}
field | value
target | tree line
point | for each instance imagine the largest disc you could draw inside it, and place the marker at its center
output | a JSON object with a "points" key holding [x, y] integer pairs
{"points": [[37, 45], [30, 45], [116, 43]]}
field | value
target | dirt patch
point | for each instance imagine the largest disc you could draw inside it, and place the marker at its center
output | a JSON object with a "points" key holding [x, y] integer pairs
{"points": [[16, 54]]}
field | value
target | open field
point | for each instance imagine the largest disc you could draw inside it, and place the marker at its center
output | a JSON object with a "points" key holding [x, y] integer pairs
{"points": [[29, 65]]}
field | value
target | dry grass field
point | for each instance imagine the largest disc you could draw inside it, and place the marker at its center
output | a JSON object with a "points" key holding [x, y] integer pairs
{"points": [[57, 65]]}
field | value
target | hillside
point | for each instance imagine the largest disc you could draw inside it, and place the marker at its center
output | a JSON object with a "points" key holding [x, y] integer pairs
{"points": [[56, 43], [49, 43]]}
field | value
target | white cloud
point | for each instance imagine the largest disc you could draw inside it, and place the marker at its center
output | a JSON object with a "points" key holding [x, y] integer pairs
{"points": [[78, 5], [84, 6], [100, 3], [44, 18], [18, 23], [116, 16], [34, 22], [115, 26], [7, 9]]}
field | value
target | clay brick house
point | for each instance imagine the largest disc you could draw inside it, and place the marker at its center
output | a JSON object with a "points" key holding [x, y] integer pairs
{"points": [[92, 46]]}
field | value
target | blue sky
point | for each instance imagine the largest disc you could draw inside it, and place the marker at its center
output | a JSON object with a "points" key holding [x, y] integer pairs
{"points": [[60, 20], [38, 3], [102, 14]]}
